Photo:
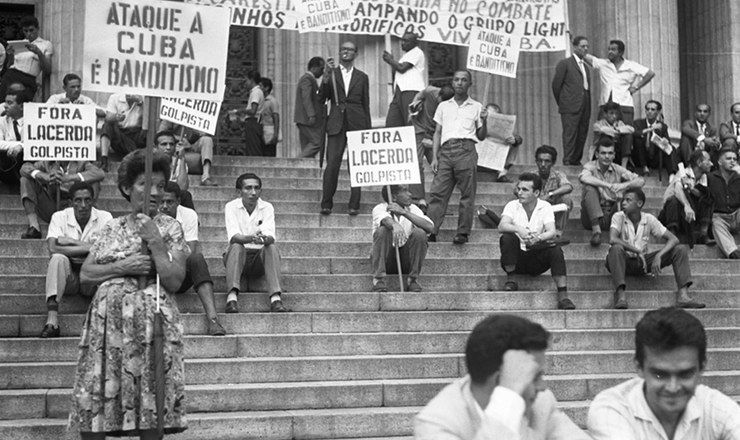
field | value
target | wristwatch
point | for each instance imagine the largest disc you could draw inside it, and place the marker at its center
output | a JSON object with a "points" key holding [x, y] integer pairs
{"points": [[549, 194]]}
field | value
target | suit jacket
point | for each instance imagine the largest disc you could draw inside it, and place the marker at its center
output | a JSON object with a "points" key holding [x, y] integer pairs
{"points": [[354, 105], [727, 131], [308, 100], [689, 133], [452, 415], [567, 85], [89, 172]]}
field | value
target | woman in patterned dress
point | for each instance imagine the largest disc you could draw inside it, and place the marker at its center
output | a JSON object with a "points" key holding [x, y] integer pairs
{"points": [[114, 383]]}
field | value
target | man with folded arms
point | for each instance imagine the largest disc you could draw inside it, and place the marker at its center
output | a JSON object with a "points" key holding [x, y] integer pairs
{"points": [[629, 236], [667, 400]]}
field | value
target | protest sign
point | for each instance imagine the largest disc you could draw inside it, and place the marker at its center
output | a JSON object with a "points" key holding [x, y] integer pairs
{"points": [[155, 48], [276, 14], [192, 113], [386, 156], [492, 151], [318, 14], [59, 132], [493, 52]]}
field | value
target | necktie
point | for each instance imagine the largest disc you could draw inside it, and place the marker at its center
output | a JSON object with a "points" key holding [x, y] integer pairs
{"points": [[737, 129], [583, 72], [15, 129]]}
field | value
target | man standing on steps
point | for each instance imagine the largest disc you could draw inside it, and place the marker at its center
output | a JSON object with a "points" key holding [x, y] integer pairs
{"points": [[250, 228], [570, 86], [350, 114], [72, 232], [724, 189], [310, 111], [399, 222], [527, 239], [667, 400], [461, 123], [409, 80], [604, 185], [629, 236], [503, 396], [197, 274]]}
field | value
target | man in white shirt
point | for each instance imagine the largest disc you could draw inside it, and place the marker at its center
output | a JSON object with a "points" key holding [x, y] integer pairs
{"points": [[24, 67], [250, 228], [11, 136], [398, 223], [72, 233], [527, 239], [197, 274], [409, 72], [195, 141], [461, 123], [617, 77], [72, 85], [122, 130], [667, 400], [504, 396], [629, 236], [166, 142]]}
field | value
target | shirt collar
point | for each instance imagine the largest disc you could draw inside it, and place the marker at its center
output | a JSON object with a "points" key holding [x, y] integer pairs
{"points": [[259, 206], [72, 220], [642, 411], [345, 70]]}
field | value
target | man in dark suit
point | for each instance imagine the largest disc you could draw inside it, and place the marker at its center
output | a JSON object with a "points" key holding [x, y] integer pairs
{"points": [[645, 153], [697, 133], [570, 85], [350, 112], [310, 112], [729, 132]]}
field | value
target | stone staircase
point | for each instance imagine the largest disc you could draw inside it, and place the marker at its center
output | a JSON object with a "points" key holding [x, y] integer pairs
{"points": [[348, 363]]}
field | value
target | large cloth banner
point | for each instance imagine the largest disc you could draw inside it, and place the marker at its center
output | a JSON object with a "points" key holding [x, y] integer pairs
{"points": [[192, 113], [386, 156], [59, 132], [318, 14], [540, 24], [155, 48], [493, 52]]}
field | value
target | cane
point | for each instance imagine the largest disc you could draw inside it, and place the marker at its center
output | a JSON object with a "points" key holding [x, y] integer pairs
{"points": [[395, 245]]}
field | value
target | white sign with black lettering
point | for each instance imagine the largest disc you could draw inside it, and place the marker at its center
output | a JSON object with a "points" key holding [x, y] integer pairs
{"points": [[319, 14], [386, 156], [59, 132], [192, 113]]}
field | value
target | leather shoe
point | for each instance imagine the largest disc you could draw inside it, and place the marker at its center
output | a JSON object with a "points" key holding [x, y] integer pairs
{"points": [[208, 182], [354, 212], [31, 233], [325, 211], [511, 286], [380, 286], [277, 306], [690, 304], [621, 305], [215, 328], [596, 239], [413, 286], [705, 240], [503, 179], [432, 238], [566, 304], [50, 331], [231, 307], [460, 239]]}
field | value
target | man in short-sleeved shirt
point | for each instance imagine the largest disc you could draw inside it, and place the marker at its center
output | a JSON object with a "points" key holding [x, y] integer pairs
{"points": [[409, 72], [617, 77], [527, 239], [72, 233], [461, 123], [724, 189], [72, 85], [122, 129], [270, 119], [25, 66], [629, 235], [250, 229]]}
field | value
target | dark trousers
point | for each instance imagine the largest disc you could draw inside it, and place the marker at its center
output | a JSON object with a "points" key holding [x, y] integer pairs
{"points": [[645, 154], [311, 137], [124, 140], [456, 165], [412, 253], [334, 150], [620, 264], [10, 167], [196, 272], [534, 262], [16, 76], [398, 111], [575, 131], [594, 210], [254, 143], [673, 214], [423, 150]]}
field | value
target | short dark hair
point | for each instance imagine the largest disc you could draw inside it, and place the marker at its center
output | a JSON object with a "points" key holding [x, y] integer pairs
{"points": [[657, 104], [134, 164], [470, 74], [532, 177], [709, 107], [80, 186], [240, 180], [395, 189], [29, 21], [254, 75], [21, 96], [733, 106], [577, 40], [496, 334], [70, 77], [669, 328], [725, 149], [315, 62], [494, 105], [547, 149], [266, 83], [695, 157], [610, 105], [639, 193], [604, 141], [174, 188], [164, 133], [619, 43]]}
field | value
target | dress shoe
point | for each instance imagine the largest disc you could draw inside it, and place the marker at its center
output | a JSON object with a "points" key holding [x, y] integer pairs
{"points": [[215, 328], [380, 286], [566, 304], [354, 212], [492, 220], [432, 238], [690, 304], [511, 286], [705, 240], [596, 239], [231, 307], [460, 239], [208, 182], [277, 306], [734, 255], [31, 233], [50, 331], [325, 211], [561, 241], [104, 163], [503, 179], [621, 305], [413, 286]]}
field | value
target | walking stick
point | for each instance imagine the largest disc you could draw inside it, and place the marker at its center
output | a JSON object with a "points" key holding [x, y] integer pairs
{"points": [[395, 245]]}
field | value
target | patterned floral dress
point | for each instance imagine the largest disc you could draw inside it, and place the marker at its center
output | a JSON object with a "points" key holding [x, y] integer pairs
{"points": [[114, 382]]}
